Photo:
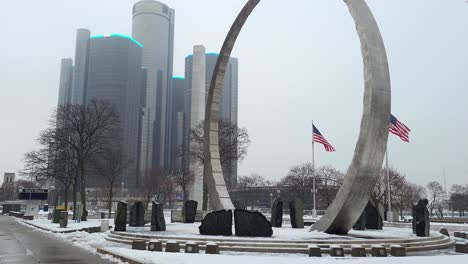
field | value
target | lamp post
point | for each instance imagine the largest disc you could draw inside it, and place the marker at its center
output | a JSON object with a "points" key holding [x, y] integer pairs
{"points": [[314, 210], [271, 200], [122, 190]]}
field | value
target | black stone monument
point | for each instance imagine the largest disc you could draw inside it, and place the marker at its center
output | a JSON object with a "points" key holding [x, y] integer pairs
{"points": [[120, 220], [252, 224], [190, 211], [373, 217], [158, 223], [421, 224], [277, 213], [296, 213], [217, 223], [361, 222], [137, 214]]}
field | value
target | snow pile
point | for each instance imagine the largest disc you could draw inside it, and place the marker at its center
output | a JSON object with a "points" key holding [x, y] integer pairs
{"points": [[47, 224]]}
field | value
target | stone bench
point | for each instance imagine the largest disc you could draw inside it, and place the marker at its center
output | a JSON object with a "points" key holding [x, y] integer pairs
{"points": [[378, 251], [461, 247], [155, 245], [191, 247], [358, 251], [397, 251], [336, 251], [459, 235], [212, 248], [139, 244], [172, 246], [314, 251]]}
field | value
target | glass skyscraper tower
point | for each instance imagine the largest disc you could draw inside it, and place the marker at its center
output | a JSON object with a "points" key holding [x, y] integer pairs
{"points": [[153, 27]]}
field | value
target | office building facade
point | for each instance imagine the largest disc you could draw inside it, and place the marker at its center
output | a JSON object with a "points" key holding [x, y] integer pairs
{"points": [[115, 75], [194, 101], [153, 27], [177, 121], [228, 105], [66, 82], [81, 65]]}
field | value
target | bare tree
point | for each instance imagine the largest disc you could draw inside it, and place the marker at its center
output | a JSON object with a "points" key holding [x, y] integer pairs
{"points": [[152, 184], [86, 130], [110, 165], [299, 179], [233, 143], [435, 195], [328, 181], [252, 181], [183, 179], [459, 199], [52, 162]]}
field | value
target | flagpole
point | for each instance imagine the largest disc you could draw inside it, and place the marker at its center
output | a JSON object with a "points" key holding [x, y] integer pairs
{"points": [[314, 210], [389, 212]]}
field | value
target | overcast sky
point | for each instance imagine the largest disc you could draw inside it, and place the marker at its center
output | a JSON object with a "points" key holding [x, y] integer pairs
{"points": [[298, 60]]}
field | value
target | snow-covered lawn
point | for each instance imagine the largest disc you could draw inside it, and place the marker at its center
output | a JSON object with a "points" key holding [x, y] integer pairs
{"points": [[183, 258], [72, 226], [284, 233], [93, 241]]}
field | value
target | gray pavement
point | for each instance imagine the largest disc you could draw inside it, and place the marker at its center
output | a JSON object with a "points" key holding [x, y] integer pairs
{"points": [[25, 245]]}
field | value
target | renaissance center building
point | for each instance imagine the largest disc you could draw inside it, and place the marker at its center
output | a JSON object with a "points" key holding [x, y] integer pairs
{"points": [[115, 76], [153, 27]]}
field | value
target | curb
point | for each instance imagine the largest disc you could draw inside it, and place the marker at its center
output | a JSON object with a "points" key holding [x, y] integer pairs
{"points": [[117, 256], [84, 229]]}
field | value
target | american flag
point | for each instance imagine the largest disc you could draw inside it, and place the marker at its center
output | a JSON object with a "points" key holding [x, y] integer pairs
{"points": [[320, 139], [398, 128]]}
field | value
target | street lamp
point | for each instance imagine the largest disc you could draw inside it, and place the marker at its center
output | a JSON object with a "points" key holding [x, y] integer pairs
{"points": [[122, 190], [271, 200], [278, 192], [314, 210]]}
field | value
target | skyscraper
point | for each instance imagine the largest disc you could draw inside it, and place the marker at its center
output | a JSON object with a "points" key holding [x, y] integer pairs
{"points": [[81, 64], [66, 80], [177, 121], [153, 26], [195, 66], [115, 75], [228, 106]]}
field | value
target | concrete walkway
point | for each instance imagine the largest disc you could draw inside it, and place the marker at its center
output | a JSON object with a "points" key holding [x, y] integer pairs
{"points": [[25, 245]]}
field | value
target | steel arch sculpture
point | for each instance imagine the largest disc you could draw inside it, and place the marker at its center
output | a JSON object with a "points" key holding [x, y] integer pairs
{"points": [[363, 173]]}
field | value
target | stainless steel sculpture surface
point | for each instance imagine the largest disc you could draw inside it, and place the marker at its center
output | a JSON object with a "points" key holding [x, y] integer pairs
{"points": [[363, 173]]}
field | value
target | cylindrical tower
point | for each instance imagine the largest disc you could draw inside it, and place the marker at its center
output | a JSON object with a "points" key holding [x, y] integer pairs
{"points": [[153, 26]]}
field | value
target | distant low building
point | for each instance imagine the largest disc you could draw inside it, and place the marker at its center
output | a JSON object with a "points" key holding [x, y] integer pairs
{"points": [[262, 197], [8, 178]]}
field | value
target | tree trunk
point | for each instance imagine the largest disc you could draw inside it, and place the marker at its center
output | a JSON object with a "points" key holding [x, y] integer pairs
{"points": [[205, 197], [65, 196], [74, 189], [110, 200], [83, 192]]}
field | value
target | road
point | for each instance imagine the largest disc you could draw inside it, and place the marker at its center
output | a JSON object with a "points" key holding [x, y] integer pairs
{"points": [[25, 245]]}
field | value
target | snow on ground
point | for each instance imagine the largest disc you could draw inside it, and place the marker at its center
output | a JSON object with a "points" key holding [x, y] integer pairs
{"points": [[91, 242], [387, 233], [191, 231], [183, 258], [283, 233], [47, 224]]}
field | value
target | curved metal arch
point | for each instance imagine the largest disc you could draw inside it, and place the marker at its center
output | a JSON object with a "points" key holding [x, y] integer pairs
{"points": [[363, 173]]}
